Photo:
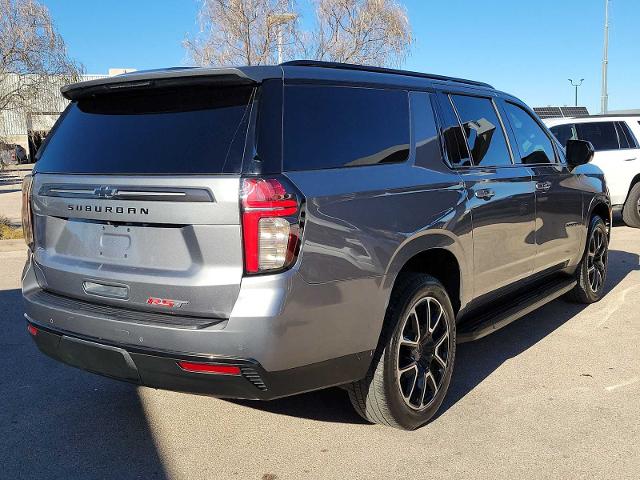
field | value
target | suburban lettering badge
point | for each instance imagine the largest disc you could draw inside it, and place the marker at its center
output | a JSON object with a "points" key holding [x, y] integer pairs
{"points": [[101, 209]]}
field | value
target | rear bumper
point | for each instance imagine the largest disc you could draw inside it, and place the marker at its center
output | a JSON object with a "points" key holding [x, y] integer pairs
{"points": [[161, 369], [288, 346]]}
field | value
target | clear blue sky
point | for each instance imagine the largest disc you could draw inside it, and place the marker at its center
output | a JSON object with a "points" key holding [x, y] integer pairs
{"points": [[526, 47]]}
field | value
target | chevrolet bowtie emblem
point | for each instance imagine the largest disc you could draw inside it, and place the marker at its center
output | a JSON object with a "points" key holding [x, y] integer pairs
{"points": [[105, 192]]}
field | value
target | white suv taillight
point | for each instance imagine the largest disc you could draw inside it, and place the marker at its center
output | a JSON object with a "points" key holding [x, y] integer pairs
{"points": [[27, 219], [271, 225]]}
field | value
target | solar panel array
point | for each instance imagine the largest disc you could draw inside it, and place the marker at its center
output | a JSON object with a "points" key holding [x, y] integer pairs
{"points": [[548, 112], [559, 112], [574, 111]]}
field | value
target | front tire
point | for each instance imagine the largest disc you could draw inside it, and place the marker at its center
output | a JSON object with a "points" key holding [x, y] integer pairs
{"points": [[592, 270], [631, 210], [412, 369]]}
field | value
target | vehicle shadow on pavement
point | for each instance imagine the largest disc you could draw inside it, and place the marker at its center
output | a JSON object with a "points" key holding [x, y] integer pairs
{"points": [[328, 405], [475, 361], [59, 422]]}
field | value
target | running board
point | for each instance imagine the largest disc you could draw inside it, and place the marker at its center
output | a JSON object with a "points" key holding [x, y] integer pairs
{"points": [[489, 322]]}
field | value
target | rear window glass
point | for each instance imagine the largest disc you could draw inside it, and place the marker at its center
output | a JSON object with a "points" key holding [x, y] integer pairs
{"points": [[195, 130], [602, 135], [333, 127]]}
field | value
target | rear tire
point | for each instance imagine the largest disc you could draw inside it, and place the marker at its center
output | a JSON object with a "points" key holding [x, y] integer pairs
{"points": [[631, 209], [591, 273], [412, 368]]}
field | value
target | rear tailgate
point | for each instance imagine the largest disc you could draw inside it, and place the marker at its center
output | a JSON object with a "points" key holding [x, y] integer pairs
{"points": [[136, 200], [152, 247]]}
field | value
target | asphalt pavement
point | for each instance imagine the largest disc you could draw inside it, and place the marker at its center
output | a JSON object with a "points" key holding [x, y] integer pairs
{"points": [[554, 395]]}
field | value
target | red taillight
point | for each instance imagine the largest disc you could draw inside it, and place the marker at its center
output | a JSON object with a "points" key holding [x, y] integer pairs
{"points": [[218, 369], [270, 224], [32, 330], [27, 218]]}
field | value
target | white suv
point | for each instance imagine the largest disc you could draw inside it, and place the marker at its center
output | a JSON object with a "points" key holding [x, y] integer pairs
{"points": [[615, 140]]}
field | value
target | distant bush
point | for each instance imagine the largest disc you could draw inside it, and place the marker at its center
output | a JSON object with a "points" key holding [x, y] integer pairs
{"points": [[9, 231]]}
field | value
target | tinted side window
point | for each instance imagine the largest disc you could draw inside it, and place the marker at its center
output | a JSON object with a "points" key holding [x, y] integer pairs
{"points": [[482, 128], [332, 127], [533, 143], [454, 142], [624, 132], [428, 149], [564, 133], [622, 138], [602, 135]]}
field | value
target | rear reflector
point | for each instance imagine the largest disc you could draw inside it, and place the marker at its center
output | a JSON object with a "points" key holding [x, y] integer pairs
{"points": [[209, 368], [32, 330]]}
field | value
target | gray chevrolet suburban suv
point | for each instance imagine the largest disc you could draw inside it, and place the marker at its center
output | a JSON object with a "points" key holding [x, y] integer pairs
{"points": [[263, 231]]}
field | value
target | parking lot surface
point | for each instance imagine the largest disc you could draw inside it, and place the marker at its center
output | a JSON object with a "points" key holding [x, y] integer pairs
{"points": [[554, 395]]}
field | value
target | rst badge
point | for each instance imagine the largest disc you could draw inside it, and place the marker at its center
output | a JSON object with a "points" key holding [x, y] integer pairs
{"points": [[166, 302]]}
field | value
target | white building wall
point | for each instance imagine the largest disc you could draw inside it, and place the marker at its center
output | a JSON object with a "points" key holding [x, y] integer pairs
{"points": [[16, 123]]}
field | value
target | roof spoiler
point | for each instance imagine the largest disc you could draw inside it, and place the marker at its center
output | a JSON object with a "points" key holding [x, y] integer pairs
{"points": [[179, 76]]}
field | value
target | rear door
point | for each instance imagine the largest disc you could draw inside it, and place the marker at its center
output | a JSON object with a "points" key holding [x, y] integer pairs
{"points": [[558, 192], [500, 194], [136, 200]]}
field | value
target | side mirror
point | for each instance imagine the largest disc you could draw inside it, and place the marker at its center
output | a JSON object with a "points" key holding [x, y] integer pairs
{"points": [[578, 152]]}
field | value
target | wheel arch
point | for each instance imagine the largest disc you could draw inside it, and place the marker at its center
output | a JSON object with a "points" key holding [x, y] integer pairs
{"points": [[602, 207], [634, 180], [439, 255]]}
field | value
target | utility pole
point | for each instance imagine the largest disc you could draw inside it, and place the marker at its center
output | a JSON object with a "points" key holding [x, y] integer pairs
{"points": [[604, 99], [576, 85]]}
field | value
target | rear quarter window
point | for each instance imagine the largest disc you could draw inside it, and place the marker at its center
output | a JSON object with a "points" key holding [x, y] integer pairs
{"points": [[626, 135], [428, 148], [333, 127]]}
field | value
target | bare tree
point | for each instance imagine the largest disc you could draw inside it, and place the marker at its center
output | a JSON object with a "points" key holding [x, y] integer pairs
{"points": [[33, 55], [374, 32], [368, 32], [241, 32]]}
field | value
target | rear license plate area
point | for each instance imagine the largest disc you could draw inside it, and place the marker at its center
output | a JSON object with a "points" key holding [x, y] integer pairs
{"points": [[94, 357]]}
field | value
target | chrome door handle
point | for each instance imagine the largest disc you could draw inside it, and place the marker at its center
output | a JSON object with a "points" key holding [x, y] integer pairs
{"points": [[630, 159], [485, 193], [543, 186]]}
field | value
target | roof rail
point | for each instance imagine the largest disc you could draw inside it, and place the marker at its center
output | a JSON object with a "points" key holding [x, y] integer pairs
{"points": [[614, 115], [367, 68]]}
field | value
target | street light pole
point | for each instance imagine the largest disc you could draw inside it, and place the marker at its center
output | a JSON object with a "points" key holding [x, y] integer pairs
{"points": [[279, 43], [604, 99], [576, 85], [279, 20]]}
